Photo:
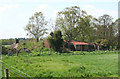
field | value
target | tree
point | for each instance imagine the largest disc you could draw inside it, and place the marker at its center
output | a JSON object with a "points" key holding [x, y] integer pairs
{"points": [[103, 42], [67, 21], [75, 24], [85, 29], [117, 33], [56, 41], [104, 27], [36, 26]]}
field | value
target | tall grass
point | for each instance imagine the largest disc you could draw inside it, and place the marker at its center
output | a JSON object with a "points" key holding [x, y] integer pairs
{"points": [[89, 64]]}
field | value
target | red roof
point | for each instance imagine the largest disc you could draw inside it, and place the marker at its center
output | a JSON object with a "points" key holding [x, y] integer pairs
{"points": [[82, 43]]}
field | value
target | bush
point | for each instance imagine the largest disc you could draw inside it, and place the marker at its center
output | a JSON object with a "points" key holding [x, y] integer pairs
{"points": [[31, 45], [56, 41], [4, 50]]}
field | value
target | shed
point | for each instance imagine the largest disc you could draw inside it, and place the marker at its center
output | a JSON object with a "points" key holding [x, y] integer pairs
{"points": [[79, 46]]}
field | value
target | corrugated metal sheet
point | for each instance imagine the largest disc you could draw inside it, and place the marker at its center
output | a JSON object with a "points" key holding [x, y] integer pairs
{"points": [[80, 43]]}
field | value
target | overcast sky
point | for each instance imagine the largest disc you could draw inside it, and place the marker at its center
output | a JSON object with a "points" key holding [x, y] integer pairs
{"points": [[15, 14]]}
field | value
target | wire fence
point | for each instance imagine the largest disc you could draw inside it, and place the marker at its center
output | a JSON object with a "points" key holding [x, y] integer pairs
{"points": [[12, 73]]}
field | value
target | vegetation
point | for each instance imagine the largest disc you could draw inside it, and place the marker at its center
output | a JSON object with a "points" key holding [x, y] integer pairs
{"points": [[7, 41], [76, 24], [36, 26], [71, 24], [56, 41], [91, 64], [106, 30], [4, 50], [30, 44], [10, 41]]}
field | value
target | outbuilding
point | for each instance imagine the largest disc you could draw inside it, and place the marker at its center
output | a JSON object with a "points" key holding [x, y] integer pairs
{"points": [[79, 46]]}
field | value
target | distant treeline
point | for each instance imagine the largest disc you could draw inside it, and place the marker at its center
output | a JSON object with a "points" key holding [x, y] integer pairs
{"points": [[12, 40]]}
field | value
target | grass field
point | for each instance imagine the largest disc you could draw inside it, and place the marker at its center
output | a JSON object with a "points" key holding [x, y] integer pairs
{"points": [[64, 65]]}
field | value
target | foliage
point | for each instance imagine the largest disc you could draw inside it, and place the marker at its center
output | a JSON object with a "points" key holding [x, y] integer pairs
{"points": [[67, 21], [30, 45], [105, 29], [102, 41], [7, 41], [36, 26], [56, 41], [75, 24], [4, 50]]}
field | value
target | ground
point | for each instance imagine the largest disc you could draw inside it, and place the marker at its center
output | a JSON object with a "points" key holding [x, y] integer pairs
{"points": [[90, 64]]}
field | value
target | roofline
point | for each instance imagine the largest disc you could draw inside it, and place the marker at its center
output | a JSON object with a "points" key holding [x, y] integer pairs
{"points": [[81, 44]]}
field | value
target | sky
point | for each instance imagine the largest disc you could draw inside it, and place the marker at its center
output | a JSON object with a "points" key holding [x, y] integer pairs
{"points": [[15, 14]]}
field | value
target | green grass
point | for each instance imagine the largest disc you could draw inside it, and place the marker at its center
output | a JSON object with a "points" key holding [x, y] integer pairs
{"points": [[89, 64]]}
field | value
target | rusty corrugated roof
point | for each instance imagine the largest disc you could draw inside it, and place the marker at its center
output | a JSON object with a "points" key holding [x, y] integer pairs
{"points": [[80, 43]]}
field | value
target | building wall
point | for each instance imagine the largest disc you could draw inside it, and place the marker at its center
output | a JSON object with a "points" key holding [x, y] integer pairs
{"points": [[78, 47], [81, 47], [46, 44], [72, 47]]}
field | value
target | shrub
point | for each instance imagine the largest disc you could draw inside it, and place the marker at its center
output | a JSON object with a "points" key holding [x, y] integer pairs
{"points": [[4, 50], [56, 41], [31, 45]]}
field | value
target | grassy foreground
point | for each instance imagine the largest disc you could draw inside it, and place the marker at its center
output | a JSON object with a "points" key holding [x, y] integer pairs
{"points": [[88, 65]]}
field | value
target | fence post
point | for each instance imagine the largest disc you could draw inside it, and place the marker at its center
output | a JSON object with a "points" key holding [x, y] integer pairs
{"points": [[6, 73]]}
